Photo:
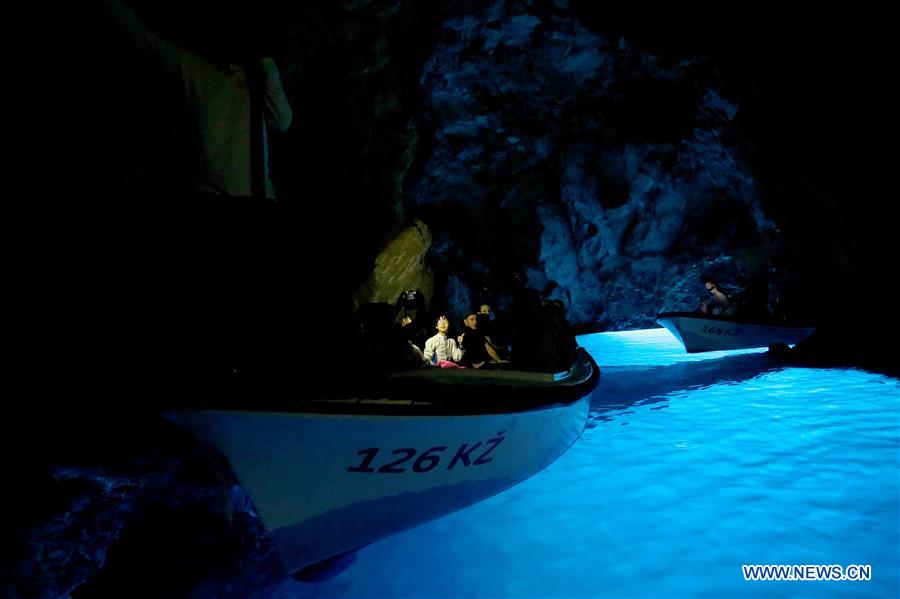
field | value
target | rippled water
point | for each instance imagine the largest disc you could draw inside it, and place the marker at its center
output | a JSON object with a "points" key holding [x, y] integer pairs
{"points": [[691, 466]]}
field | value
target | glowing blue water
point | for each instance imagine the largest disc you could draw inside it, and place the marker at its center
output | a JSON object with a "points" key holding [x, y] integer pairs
{"points": [[690, 467]]}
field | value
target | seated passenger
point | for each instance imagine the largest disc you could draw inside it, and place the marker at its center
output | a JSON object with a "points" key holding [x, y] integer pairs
{"points": [[720, 305], [526, 318], [491, 331], [474, 344], [404, 352], [441, 350], [557, 336], [411, 306]]}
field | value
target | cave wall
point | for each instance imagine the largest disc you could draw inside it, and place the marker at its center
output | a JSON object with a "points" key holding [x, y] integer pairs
{"points": [[606, 173], [611, 154]]}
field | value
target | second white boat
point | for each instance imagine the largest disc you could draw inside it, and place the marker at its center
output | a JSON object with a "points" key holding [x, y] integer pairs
{"points": [[704, 332]]}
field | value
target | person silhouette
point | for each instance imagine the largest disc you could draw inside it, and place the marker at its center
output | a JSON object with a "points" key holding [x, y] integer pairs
{"points": [[720, 304], [220, 248], [219, 97]]}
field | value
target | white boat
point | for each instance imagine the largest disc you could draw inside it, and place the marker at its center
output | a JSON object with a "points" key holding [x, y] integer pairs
{"points": [[705, 332], [328, 476]]}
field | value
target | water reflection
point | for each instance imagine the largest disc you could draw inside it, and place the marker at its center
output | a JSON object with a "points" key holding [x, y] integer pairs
{"points": [[750, 461], [623, 387]]}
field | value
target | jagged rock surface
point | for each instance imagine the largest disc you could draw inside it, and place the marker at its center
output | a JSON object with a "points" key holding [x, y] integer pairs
{"points": [[604, 172]]}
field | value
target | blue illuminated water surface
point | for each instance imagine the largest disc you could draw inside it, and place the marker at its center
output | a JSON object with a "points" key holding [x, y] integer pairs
{"points": [[690, 466]]}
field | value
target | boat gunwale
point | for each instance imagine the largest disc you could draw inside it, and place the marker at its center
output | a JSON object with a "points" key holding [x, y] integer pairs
{"points": [[737, 320], [439, 395]]}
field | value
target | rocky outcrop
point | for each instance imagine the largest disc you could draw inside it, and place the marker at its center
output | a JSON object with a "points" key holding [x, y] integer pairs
{"points": [[399, 267], [604, 172]]}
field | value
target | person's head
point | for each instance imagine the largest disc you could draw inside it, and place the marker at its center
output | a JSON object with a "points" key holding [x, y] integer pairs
{"points": [[484, 309], [442, 324], [233, 32], [711, 286], [471, 320]]}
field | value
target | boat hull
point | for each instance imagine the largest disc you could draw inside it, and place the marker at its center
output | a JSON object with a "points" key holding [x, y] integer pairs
{"points": [[362, 478], [703, 333], [339, 475]]}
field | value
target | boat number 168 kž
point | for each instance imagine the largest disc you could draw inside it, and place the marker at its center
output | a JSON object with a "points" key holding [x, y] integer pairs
{"points": [[720, 331], [398, 460]]}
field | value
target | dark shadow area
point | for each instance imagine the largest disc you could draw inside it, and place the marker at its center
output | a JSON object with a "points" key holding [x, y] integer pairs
{"points": [[840, 345], [126, 506], [326, 569]]}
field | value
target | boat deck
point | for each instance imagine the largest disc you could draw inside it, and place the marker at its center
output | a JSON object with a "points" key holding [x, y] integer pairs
{"points": [[418, 392]]}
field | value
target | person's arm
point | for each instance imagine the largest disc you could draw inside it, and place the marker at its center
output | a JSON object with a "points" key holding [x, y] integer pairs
{"points": [[720, 297], [492, 352], [418, 352], [149, 45], [429, 350], [278, 110], [456, 354]]}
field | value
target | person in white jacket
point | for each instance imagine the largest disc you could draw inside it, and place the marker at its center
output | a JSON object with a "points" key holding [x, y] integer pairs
{"points": [[442, 350]]}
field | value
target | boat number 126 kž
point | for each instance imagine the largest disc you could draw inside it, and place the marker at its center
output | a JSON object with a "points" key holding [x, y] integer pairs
{"points": [[398, 460]]}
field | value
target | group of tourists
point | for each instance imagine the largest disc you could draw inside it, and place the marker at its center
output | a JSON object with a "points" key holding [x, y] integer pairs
{"points": [[534, 336], [472, 347]]}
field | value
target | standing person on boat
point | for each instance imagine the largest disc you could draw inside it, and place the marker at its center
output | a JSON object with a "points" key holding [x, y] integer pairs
{"points": [[720, 305], [218, 272], [442, 350], [217, 96]]}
